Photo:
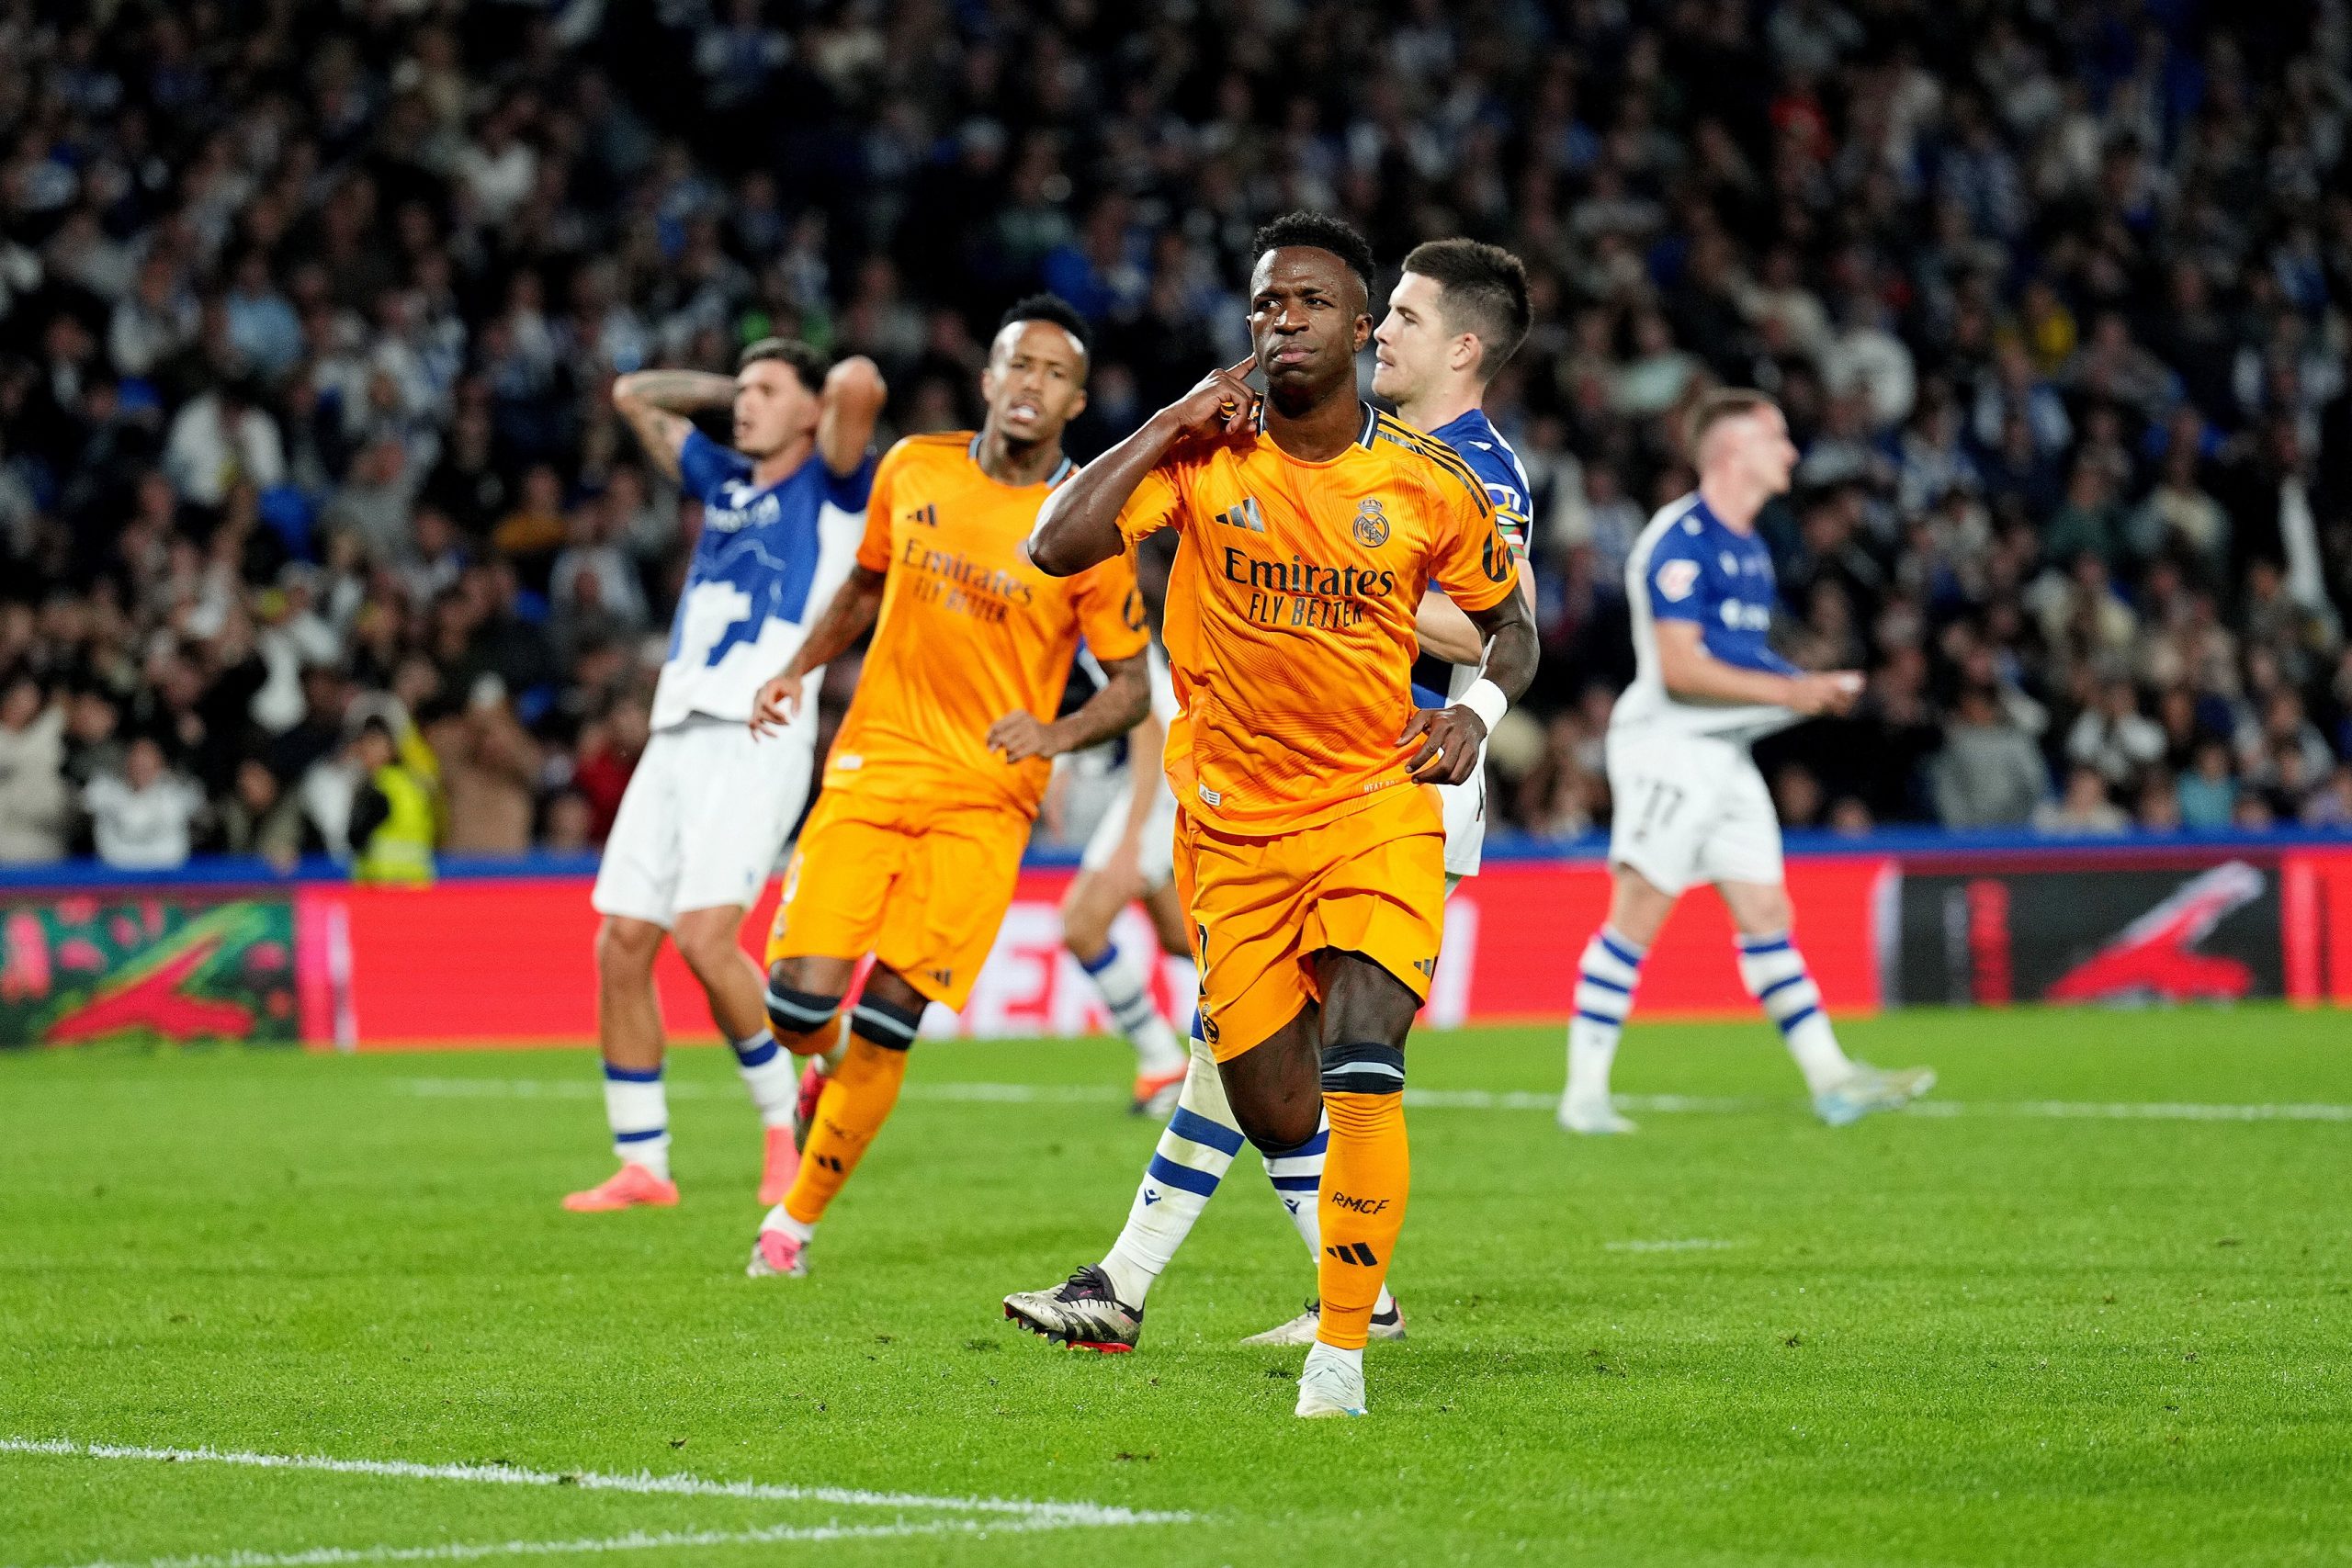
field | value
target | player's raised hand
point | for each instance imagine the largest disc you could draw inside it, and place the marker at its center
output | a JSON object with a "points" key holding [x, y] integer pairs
{"points": [[1221, 404], [1020, 735], [777, 702], [1449, 740], [1832, 692]]}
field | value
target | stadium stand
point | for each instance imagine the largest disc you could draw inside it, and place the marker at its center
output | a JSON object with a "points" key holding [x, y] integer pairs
{"points": [[308, 315]]}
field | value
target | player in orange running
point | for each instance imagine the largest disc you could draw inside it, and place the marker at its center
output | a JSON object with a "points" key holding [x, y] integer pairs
{"points": [[1312, 856], [912, 850]]}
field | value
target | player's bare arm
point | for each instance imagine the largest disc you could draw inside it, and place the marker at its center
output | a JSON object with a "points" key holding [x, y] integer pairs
{"points": [[850, 402], [1446, 633], [1450, 737], [1123, 702], [659, 406], [850, 614], [1693, 674], [1078, 525]]}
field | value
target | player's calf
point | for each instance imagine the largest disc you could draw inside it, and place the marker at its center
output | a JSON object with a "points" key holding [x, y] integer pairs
{"points": [[1775, 974], [804, 1022], [1365, 1180], [1363, 1207], [1297, 1175], [857, 1098], [1606, 978]]}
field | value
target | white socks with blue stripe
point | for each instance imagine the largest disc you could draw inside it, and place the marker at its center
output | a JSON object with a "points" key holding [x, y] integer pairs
{"points": [[772, 1074], [639, 1114], [1606, 975], [1775, 974], [1193, 1154], [1195, 1151], [1125, 988], [1298, 1176]]}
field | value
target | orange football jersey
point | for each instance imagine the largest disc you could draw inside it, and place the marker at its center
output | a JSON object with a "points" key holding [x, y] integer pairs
{"points": [[1290, 623], [969, 631]]}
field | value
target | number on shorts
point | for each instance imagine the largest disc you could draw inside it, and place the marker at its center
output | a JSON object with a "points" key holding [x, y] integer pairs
{"points": [[1660, 800]]}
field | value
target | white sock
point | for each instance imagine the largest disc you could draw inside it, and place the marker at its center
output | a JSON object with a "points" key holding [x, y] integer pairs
{"points": [[802, 1231], [640, 1113], [1195, 1151], [1776, 977], [1298, 1176], [1353, 1358], [772, 1074], [1606, 975], [1127, 991]]}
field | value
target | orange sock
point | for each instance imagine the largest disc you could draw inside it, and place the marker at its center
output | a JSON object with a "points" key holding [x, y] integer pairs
{"points": [[1365, 1176], [856, 1101]]}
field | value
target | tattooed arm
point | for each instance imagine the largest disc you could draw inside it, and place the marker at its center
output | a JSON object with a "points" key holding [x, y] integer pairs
{"points": [[657, 402]]}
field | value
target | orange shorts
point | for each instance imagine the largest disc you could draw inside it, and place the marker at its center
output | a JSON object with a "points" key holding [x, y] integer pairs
{"points": [[1263, 907], [921, 885]]}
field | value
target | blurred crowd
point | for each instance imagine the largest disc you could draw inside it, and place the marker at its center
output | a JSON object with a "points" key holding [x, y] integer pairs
{"points": [[309, 313]]}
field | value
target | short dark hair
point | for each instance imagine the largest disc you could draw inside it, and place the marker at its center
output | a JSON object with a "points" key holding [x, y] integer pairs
{"points": [[807, 360], [1318, 232], [1485, 289], [1714, 407], [1050, 307]]}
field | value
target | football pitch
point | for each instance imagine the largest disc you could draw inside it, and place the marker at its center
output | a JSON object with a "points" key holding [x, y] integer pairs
{"points": [[2088, 1304]]}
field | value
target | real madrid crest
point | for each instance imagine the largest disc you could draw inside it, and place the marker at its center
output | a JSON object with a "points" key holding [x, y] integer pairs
{"points": [[1371, 524]]}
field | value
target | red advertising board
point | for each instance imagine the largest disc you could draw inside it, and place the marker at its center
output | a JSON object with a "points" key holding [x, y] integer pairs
{"points": [[2316, 896], [497, 959], [500, 961]]}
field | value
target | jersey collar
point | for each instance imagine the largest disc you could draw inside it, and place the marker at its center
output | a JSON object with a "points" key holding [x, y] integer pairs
{"points": [[1470, 425], [1067, 467], [1363, 436]]}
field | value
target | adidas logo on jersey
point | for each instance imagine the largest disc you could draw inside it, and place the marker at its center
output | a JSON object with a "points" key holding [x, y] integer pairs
{"points": [[1245, 515], [926, 514]]}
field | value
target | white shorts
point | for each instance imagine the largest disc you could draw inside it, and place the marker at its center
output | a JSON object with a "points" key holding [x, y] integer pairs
{"points": [[1155, 854], [703, 820], [1691, 808], [1466, 820]]}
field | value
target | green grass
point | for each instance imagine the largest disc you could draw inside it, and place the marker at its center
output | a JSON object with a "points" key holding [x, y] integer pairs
{"points": [[1981, 1337]]}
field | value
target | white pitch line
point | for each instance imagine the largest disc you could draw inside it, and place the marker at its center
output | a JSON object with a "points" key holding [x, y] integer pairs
{"points": [[1689, 1244], [644, 1483], [636, 1540], [1482, 1099]]}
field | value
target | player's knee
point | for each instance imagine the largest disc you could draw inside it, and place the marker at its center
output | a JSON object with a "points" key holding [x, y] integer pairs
{"points": [[888, 1021], [1362, 1000], [1759, 910], [1637, 907], [624, 948], [1363, 1067], [1086, 929], [1281, 1127], [799, 1018], [707, 946]]}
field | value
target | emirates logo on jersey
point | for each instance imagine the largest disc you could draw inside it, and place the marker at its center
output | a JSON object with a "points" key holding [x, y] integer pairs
{"points": [[1371, 524]]}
